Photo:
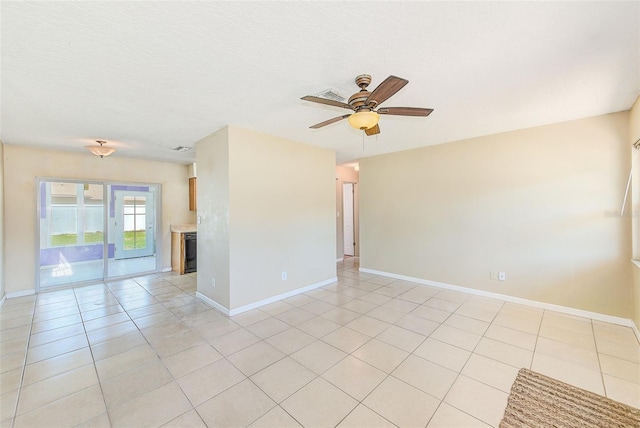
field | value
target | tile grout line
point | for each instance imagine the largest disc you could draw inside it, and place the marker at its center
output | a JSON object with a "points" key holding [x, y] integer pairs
{"points": [[126, 311], [24, 365], [595, 342], [471, 352], [93, 360]]}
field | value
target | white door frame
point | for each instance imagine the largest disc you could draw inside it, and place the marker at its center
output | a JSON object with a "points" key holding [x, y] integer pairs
{"points": [[348, 223]]}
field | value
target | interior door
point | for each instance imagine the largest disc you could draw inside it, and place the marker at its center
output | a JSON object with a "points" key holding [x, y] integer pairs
{"points": [[134, 224], [347, 199]]}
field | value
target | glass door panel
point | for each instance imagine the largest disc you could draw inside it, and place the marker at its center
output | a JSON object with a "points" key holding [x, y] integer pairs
{"points": [[132, 221], [135, 219], [71, 221]]}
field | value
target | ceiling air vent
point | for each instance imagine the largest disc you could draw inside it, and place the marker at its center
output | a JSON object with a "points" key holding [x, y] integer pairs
{"points": [[182, 149], [331, 94]]}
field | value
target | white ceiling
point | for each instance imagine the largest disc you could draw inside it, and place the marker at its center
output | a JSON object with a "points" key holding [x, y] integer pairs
{"points": [[150, 76]]}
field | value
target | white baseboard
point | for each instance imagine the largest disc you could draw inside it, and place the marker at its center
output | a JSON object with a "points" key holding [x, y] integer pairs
{"points": [[4, 299], [254, 305], [212, 303], [533, 303], [166, 269], [23, 293], [634, 327], [339, 259]]}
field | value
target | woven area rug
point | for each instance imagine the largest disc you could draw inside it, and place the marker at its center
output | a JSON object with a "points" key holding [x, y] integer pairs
{"points": [[540, 401]]}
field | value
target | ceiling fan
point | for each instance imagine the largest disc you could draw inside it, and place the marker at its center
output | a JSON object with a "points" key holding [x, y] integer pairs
{"points": [[364, 104]]}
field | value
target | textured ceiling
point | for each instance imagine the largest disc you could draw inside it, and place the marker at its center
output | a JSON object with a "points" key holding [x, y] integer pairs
{"points": [[150, 76]]}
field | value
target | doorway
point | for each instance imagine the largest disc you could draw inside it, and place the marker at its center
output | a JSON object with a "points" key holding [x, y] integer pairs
{"points": [[347, 213]]}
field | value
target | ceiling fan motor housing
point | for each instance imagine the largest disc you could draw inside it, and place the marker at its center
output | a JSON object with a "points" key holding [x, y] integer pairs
{"points": [[359, 100], [363, 80]]}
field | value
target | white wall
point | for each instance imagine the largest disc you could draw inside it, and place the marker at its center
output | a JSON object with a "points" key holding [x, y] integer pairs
{"points": [[2, 252], [22, 165], [212, 154], [280, 217], [634, 206], [538, 204]]}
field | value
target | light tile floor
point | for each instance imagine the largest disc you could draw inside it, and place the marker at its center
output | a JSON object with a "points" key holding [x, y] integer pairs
{"points": [[367, 351]]}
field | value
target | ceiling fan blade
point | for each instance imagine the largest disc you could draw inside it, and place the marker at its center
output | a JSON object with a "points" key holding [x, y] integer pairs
{"points": [[326, 101], [385, 90], [405, 111], [373, 130], [329, 122]]}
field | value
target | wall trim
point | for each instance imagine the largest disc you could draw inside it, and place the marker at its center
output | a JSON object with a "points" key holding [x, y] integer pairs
{"points": [[166, 269], [533, 303], [4, 299], [268, 300], [634, 327], [23, 293], [212, 303], [339, 259]]}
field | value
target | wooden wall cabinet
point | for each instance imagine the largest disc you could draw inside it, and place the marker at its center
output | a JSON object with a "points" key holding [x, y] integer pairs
{"points": [[192, 194]]}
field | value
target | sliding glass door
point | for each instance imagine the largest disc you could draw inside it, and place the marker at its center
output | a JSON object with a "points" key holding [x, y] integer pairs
{"points": [[93, 231]]}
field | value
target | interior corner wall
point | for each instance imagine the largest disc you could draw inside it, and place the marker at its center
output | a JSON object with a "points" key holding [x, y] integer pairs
{"points": [[22, 166], [540, 204], [344, 175], [2, 252], [281, 215], [634, 136], [212, 154]]}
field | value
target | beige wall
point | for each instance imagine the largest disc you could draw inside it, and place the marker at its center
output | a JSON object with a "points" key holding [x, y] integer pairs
{"points": [[212, 154], [22, 165], [538, 204], [346, 174], [2, 252], [634, 135], [280, 217]]}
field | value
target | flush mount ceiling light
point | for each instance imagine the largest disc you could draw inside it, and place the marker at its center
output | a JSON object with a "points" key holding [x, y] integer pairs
{"points": [[181, 149], [100, 150]]}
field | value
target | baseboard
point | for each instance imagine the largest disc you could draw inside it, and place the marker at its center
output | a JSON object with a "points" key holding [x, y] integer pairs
{"points": [[634, 327], [4, 299], [212, 303], [339, 259], [166, 269], [273, 299], [20, 294], [533, 303]]}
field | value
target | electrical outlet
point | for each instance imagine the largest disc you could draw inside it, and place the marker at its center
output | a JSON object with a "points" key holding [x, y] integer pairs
{"points": [[284, 275], [502, 276], [213, 283]]}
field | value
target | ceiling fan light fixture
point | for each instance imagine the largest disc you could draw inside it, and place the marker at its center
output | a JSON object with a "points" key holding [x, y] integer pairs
{"points": [[100, 150], [364, 119]]}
